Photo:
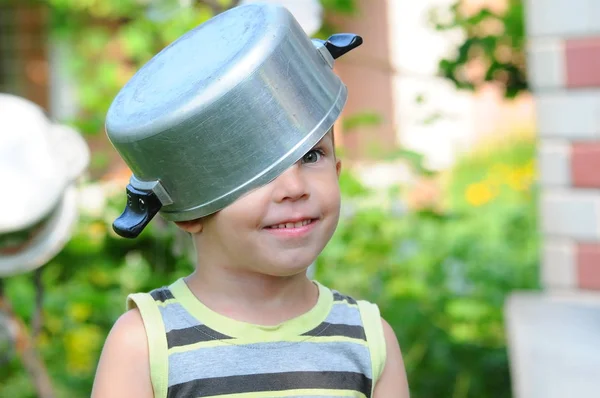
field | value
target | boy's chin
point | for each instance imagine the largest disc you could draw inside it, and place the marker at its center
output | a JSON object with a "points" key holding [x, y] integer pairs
{"points": [[288, 269]]}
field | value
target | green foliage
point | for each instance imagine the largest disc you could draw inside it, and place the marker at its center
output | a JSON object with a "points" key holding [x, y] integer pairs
{"points": [[361, 119], [85, 290], [441, 274], [494, 42], [340, 6], [111, 39]]}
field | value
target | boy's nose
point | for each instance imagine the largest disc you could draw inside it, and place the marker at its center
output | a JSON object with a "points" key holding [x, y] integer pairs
{"points": [[290, 185]]}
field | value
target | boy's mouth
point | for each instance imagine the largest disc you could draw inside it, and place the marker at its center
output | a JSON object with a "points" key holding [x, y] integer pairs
{"points": [[292, 224]]}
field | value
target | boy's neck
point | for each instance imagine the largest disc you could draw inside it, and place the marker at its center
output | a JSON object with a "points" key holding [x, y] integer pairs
{"points": [[251, 297]]}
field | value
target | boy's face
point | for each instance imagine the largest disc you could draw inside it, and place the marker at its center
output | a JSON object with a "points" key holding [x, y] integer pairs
{"points": [[280, 228]]}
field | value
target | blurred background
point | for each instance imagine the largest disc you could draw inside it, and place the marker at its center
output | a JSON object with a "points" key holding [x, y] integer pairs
{"points": [[471, 150]]}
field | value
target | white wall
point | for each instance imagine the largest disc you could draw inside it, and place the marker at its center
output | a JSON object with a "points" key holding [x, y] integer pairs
{"points": [[416, 49]]}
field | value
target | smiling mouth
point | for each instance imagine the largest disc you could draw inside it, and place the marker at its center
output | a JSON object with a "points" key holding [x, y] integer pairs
{"points": [[292, 225]]}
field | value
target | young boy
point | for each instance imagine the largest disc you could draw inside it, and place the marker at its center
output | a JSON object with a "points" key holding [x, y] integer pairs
{"points": [[247, 322]]}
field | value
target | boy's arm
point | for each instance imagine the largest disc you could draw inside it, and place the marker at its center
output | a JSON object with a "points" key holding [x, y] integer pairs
{"points": [[124, 367], [392, 382]]}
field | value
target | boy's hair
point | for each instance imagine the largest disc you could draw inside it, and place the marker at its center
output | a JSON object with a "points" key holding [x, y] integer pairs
{"points": [[332, 136]]}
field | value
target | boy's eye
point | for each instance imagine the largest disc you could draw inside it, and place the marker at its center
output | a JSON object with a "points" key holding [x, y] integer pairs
{"points": [[312, 156]]}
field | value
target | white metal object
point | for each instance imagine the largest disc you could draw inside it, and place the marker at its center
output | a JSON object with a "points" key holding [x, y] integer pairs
{"points": [[39, 163]]}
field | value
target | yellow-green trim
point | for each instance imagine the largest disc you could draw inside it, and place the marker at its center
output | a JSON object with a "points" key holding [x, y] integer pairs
{"points": [[374, 332], [295, 393], [157, 341], [243, 330]]}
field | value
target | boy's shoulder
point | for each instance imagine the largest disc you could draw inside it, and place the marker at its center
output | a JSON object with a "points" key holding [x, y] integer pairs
{"points": [[123, 368], [129, 328]]}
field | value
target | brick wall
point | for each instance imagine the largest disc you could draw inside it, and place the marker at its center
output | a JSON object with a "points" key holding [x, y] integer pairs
{"points": [[372, 60], [23, 51], [564, 68], [9, 65]]}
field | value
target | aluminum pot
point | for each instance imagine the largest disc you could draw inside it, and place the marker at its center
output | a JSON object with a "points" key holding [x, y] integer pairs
{"points": [[224, 109]]}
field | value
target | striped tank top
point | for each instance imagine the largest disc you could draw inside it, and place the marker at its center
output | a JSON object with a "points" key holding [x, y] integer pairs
{"points": [[337, 349]]}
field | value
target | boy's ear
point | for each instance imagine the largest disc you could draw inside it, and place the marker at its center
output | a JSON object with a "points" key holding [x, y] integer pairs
{"points": [[338, 167], [191, 226]]}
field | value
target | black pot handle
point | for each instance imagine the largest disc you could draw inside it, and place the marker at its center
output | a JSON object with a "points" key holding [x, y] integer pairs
{"points": [[341, 43], [141, 208]]}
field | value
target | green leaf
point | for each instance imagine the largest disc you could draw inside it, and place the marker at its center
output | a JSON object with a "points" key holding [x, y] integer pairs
{"points": [[362, 119]]}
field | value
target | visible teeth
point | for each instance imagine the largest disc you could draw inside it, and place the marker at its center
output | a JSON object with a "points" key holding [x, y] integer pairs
{"points": [[292, 225]]}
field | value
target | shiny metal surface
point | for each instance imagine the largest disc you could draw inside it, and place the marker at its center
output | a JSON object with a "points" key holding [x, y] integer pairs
{"points": [[225, 109]]}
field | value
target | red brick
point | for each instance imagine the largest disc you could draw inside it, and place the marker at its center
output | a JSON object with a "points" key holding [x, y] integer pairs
{"points": [[583, 62], [585, 164], [588, 266]]}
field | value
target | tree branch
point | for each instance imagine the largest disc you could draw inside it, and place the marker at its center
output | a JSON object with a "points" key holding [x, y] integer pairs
{"points": [[37, 320], [25, 347]]}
